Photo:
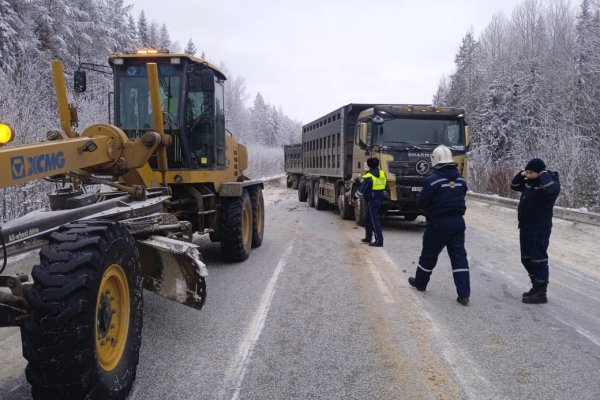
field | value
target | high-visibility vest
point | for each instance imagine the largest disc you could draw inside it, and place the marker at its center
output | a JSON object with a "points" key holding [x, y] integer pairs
{"points": [[378, 182]]}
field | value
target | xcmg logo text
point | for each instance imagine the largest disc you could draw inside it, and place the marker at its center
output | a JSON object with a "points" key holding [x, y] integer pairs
{"points": [[22, 167]]}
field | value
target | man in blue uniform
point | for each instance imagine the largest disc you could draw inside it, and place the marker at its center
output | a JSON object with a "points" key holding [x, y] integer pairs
{"points": [[443, 200], [539, 189], [371, 192]]}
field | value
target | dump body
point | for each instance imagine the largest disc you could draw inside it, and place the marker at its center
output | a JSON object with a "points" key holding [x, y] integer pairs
{"points": [[336, 146]]}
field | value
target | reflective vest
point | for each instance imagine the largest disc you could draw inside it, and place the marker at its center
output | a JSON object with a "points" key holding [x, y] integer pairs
{"points": [[378, 182]]}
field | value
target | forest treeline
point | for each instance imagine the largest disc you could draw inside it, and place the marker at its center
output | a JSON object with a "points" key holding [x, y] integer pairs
{"points": [[531, 88], [34, 32]]}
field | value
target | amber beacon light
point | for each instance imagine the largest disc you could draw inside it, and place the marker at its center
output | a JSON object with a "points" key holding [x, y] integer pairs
{"points": [[6, 134]]}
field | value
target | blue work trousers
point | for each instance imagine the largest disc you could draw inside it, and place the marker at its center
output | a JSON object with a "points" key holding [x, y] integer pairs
{"points": [[372, 222], [446, 232], [534, 252]]}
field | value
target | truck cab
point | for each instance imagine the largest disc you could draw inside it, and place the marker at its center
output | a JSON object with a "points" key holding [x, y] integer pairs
{"points": [[403, 137]]}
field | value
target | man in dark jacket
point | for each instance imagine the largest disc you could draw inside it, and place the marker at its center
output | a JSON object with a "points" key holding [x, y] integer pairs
{"points": [[371, 192], [443, 200], [539, 189]]}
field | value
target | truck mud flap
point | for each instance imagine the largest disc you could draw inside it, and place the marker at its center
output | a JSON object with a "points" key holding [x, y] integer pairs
{"points": [[173, 269]]}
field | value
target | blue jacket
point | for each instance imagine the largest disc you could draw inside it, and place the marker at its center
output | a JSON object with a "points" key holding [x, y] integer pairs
{"points": [[537, 199], [443, 193], [366, 187]]}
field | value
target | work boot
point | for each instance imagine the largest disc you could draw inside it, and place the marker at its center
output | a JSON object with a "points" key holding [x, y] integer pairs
{"points": [[527, 294], [365, 240], [538, 296], [413, 282], [463, 300], [375, 244]]}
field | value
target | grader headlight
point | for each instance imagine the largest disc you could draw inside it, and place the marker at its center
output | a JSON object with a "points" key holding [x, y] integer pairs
{"points": [[6, 134]]}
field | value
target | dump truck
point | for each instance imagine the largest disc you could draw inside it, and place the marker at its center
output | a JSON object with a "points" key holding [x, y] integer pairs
{"points": [[174, 172], [336, 146]]}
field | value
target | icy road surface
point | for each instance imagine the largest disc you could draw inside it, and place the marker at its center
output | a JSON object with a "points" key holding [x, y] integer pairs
{"points": [[315, 314]]}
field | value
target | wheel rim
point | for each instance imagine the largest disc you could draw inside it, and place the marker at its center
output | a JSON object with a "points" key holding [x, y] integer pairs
{"points": [[112, 317], [247, 224]]}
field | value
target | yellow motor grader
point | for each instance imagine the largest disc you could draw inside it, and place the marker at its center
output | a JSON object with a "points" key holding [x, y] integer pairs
{"points": [[173, 171]]}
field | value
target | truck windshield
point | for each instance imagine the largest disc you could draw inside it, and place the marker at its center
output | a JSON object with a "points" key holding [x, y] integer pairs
{"points": [[411, 132], [135, 108]]}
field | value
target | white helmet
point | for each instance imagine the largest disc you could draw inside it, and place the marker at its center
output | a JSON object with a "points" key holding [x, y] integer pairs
{"points": [[442, 155]]}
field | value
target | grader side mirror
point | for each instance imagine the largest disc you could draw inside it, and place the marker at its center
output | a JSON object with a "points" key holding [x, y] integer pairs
{"points": [[80, 81]]}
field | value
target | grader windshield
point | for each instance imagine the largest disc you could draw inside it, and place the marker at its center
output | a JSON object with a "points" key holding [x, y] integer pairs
{"points": [[135, 110]]}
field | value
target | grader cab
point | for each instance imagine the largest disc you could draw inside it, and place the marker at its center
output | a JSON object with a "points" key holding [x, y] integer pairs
{"points": [[175, 172]]}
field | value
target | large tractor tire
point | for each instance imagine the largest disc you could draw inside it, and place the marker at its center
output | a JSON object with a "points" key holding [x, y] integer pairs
{"points": [[320, 204], [236, 227], [302, 191], [346, 210], [82, 335], [288, 181], [295, 182], [258, 216], [360, 212]]}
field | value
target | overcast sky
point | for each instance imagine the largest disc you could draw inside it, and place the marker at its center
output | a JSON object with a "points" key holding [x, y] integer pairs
{"points": [[312, 56]]}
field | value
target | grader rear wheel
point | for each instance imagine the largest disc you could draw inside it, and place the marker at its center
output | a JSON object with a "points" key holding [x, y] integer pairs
{"points": [[236, 227], [82, 335], [258, 216]]}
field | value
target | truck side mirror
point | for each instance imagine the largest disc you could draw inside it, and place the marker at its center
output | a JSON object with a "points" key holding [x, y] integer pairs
{"points": [[467, 138], [79, 81], [207, 78], [362, 134]]}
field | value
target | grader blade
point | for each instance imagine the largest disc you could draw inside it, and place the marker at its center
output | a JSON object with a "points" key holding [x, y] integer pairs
{"points": [[173, 269]]}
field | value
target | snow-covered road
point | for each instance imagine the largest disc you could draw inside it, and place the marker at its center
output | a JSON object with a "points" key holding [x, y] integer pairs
{"points": [[316, 314]]}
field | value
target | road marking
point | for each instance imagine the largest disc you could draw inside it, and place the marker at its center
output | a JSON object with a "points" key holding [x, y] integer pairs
{"points": [[237, 371], [385, 291], [581, 331]]}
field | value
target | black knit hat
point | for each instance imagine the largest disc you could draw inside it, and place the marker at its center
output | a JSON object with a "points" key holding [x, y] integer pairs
{"points": [[535, 165], [372, 162]]}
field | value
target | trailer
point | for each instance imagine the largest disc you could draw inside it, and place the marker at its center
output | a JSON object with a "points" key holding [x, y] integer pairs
{"points": [[336, 146]]}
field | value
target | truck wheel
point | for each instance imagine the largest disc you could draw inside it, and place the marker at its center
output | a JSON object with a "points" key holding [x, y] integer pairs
{"points": [[236, 227], [302, 192], [346, 210], [258, 216], [319, 202], [294, 182], [310, 193], [360, 212], [288, 181], [82, 335]]}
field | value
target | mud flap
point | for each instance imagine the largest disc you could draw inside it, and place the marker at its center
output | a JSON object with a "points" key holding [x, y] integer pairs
{"points": [[173, 269]]}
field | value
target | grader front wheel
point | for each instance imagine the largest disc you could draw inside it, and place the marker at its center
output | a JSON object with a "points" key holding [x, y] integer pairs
{"points": [[82, 335]]}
